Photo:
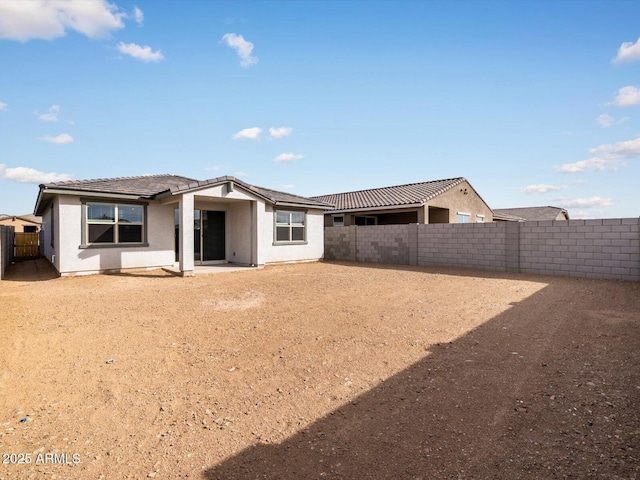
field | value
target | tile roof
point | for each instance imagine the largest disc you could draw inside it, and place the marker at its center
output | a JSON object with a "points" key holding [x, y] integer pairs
{"points": [[273, 196], [28, 217], [146, 186], [411, 194], [282, 197], [506, 217], [533, 213], [150, 186]]}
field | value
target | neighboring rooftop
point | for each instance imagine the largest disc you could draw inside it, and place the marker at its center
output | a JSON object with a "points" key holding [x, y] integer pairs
{"points": [[531, 214], [27, 217], [411, 194]]}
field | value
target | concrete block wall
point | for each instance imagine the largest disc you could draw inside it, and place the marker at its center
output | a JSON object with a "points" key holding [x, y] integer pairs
{"points": [[382, 244], [604, 248], [472, 245], [6, 248], [340, 243]]}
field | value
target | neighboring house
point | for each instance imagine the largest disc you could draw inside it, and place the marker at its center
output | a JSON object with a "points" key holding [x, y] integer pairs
{"points": [[529, 214], [22, 223], [452, 200], [153, 221]]}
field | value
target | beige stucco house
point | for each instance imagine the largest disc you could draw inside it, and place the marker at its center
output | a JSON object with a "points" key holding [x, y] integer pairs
{"points": [[153, 221], [451, 200], [22, 223]]}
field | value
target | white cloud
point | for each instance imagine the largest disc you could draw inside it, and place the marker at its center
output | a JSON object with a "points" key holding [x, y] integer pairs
{"points": [[540, 188], [48, 19], [52, 115], [584, 202], [144, 54], [248, 134], [240, 174], [138, 16], [59, 139], [285, 186], [288, 157], [605, 157], [3, 106], [605, 120], [215, 168], [30, 175], [628, 52], [627, 97], [280, 132], [242, 47]]}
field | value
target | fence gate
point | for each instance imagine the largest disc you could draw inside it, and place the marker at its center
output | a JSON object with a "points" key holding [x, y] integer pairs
{"points": [[26, 245]]}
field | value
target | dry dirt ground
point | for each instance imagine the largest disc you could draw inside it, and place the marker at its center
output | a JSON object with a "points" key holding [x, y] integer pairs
{"points": [[319, 371]]}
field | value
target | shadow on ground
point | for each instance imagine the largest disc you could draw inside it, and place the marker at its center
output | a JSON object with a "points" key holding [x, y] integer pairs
{"points": [[548, 389], [33, 270]]}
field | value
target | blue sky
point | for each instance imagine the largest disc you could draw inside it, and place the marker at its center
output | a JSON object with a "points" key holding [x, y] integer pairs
{"points": [[535, 103]]}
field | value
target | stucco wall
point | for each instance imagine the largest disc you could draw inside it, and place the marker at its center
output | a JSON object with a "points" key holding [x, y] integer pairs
{"points": [[46, 247], [604, 249], [239, 233], [313, 249], [456, 201], [18, 224], [71, 259]]}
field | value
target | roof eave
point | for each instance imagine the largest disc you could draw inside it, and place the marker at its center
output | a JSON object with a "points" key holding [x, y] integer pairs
{"points": [[46, 192], [214, 182], [302, 205], [386, 207]]}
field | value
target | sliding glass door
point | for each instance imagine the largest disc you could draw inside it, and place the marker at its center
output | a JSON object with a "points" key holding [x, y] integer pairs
{"points": [[208, 235]]}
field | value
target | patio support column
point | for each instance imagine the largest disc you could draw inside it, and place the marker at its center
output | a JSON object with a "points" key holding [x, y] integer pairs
{"points": [[254, 233], [186, 234]]}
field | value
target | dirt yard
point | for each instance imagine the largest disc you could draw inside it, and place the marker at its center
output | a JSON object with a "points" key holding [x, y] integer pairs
{"points": [[322, 370]]}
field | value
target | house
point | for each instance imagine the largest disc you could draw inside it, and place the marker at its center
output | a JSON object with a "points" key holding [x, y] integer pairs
{"points": [[529, 214], [22, 223], [153, 221], [451, 200]]}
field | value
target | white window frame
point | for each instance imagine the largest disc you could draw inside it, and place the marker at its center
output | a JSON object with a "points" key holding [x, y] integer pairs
{"points": [[290, 225], [462, 216], [479, 218], [338, 223]]}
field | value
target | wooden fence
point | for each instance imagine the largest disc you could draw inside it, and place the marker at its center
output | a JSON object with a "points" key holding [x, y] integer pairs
{"points": [[26, 245]]}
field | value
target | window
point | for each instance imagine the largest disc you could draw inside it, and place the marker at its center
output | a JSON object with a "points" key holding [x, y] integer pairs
{"points": [[479, 218], [362, 221], [463, 217], [290, 226], [338, 221], [112, 223], [30, 229]]}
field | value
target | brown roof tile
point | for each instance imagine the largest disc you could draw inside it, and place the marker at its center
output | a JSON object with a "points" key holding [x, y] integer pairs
{"points": [[414, 193], [145, 186], [149, 186], [533, 213]]}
